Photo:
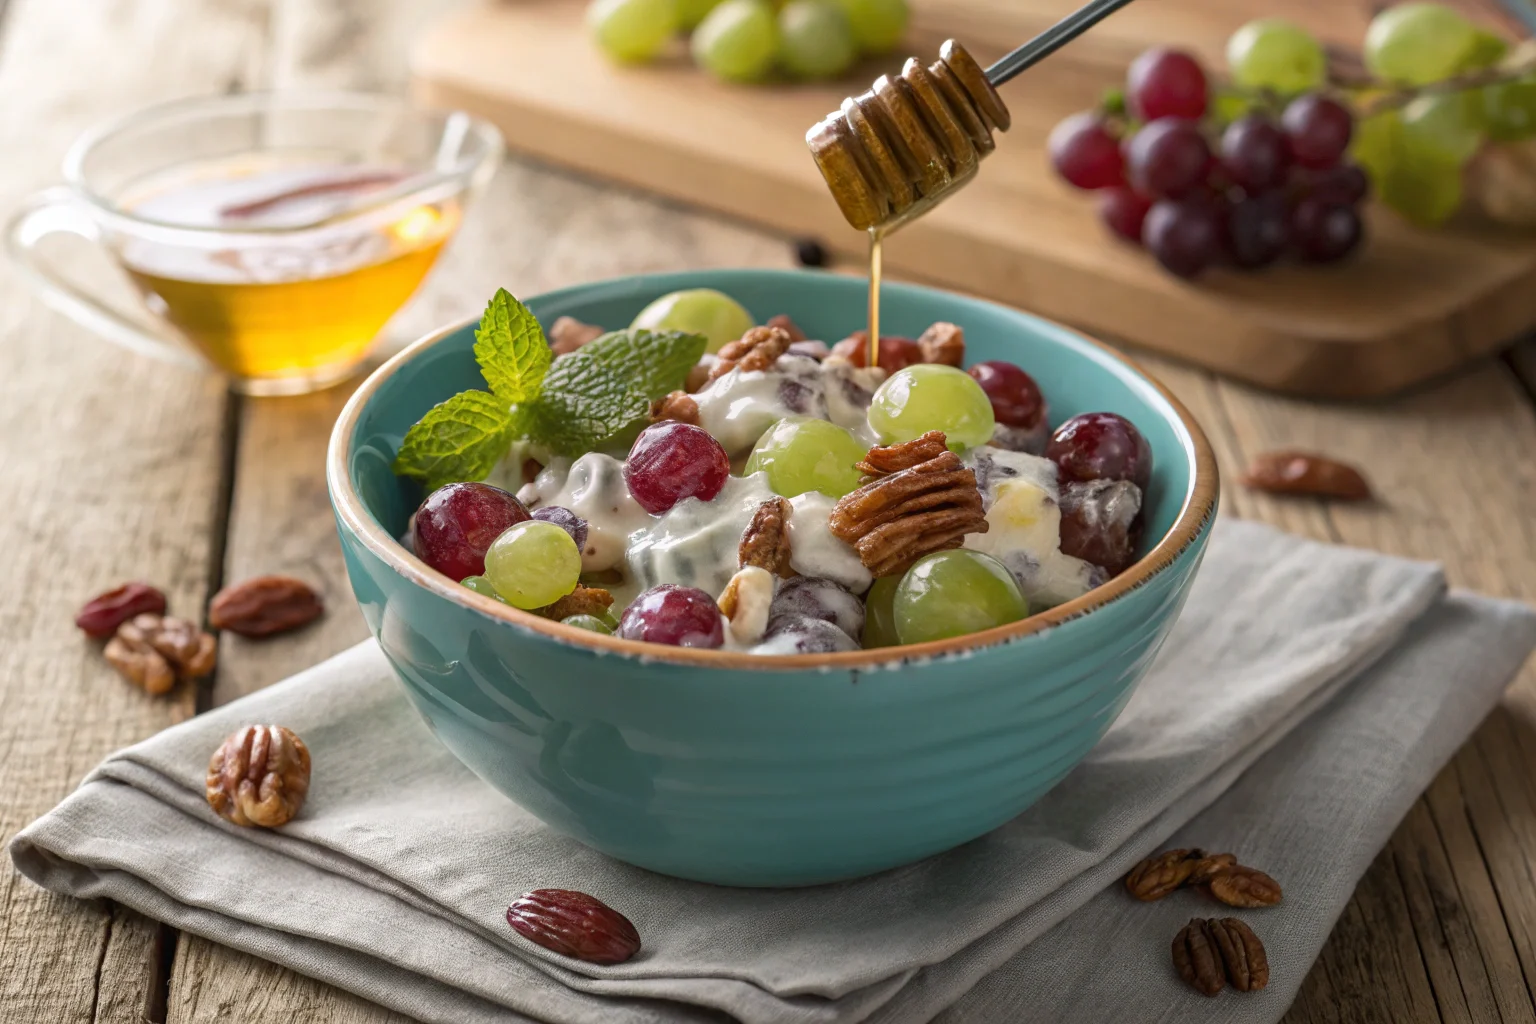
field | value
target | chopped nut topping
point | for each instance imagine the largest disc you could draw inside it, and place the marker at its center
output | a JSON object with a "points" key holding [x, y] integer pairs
{"points": [[943, 343], [788, 326], [893, 520], [758, 349], [879, 462], [259, 776], [765, 542], [584, 600], [567, 334], [679, 406]]}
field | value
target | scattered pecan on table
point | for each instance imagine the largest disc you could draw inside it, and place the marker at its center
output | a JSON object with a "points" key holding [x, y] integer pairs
{"points": [[102, 614], [567, 334], [259, 776], [917, 499], [584, 600], [1240, 886], [1161, 874], [574, 924], [265, 605], [765, 541], [1210, 953], [1219, 874], [679, 406], [154, 651], [758, 349], [943, 343], [1306, 473]]}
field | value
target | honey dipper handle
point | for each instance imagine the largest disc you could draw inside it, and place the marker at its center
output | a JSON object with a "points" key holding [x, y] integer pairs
{"points": [[1053, 39]]}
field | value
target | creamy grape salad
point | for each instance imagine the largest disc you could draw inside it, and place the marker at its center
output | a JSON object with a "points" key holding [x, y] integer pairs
{"points": [[791, 499]]}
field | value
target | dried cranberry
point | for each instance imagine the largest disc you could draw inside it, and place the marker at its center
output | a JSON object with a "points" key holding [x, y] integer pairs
{"points": [[675, 615], [672, 461], [574, 924], [1101, 446], [457, 524], [103, 613]]}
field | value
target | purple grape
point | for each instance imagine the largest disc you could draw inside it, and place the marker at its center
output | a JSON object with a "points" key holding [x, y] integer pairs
{"points": [[1185, 237], [1168, 158], [1258, 230], [1254, 153], [670, 614], [567, 520], [812, 597], [1325, 232]]}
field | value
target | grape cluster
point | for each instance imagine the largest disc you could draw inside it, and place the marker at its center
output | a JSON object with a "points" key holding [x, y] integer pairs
{"points": [[750, 40], [1265, 186]]}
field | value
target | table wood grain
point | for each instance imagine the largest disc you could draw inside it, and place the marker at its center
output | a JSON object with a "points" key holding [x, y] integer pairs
{"points": [[118, 468]]}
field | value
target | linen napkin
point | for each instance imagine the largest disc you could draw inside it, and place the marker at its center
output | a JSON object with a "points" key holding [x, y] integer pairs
{"points": [[394, 880]]}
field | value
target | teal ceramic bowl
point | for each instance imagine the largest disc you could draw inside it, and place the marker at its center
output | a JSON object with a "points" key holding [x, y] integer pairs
{"points": [[746, 770]]}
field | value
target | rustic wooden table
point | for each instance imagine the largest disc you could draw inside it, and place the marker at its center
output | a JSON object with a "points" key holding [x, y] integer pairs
{"points": [[115, 468]]}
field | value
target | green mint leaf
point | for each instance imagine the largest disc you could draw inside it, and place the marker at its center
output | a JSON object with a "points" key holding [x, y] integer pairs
{"points": [[460, 439], [595, 395], [511, 349]]}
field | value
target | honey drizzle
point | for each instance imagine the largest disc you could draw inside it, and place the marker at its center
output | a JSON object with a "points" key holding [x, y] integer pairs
{"points": [[875, 236]]}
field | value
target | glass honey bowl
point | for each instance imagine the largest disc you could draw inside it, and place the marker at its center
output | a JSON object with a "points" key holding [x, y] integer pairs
{"points": [[270, 235]]}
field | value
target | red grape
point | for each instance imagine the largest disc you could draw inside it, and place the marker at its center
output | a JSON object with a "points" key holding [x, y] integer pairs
{"points": [[895, 353], [672, 461], [1101, 522], [1317, 130], [1325, 232], [1168, 158], [1123, 210], [1016, 398], [1257, 230], [1085, 153], [1101, 446], [457, 523], [1186, 237], [1253, 151], [1166, 83], [675, 615], [1343, 185]]}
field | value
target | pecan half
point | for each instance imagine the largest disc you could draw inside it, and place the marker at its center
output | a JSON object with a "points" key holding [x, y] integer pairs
{"points": [[1242, 954], [584, 600], [259, 776], [758, 349], [765, 542], [788, 326], [567, 334], [894, 520], [102, 614], [1162, 873], [1304, 473], [943, 343], [883, 461], [679, 406], [154, 651], [1244, 887], [1207, 868], [138, 662], [1197, 959], [264, 605]]}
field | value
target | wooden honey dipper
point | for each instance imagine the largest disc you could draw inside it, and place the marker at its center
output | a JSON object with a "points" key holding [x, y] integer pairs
{"points": [[893, 152]]}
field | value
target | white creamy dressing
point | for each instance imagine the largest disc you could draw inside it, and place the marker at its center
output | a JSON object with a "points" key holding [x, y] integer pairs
{"points": [[592, 487], [813, 551], [696, 543], [1019, 493], [739, 405], [847, 391]]}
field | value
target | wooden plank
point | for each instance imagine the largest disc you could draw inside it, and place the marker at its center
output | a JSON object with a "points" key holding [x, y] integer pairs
{"points": [[112, 466], [1413, 305]]}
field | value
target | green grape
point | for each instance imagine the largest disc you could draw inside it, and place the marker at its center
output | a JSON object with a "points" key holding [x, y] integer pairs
{"points": [[1375, 143], [691, 12], [952, 593], [880, 614], [1273, 53], [737, 41], [816, 39], [715, 315], [932, 396], [533, 563], [482, 586], [1426, 190], [1419, 43], [1443, 125], [801, 454], [1509, 110], [1227, 106], [878, 25], [632, 31], [1488, 48], [590, 623]]}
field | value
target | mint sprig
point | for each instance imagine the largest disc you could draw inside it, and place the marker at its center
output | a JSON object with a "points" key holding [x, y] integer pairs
{"points": [[583, 401]]}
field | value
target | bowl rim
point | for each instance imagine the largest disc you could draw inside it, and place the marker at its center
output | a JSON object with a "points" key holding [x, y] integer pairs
{"points": [[1197, 511]]}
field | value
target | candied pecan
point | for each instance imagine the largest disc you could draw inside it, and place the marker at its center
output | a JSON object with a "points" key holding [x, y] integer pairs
{"points": [[102, 614], [186, 651], [943, 343], [758, 349], [138, 662], [584, 600], [567, 334], [679, 406], [765, 542], [259, 776], [1242, 954], [1197, 959], [1304, 473], [1208, 867], [1241, 886], [264, 605], [883, 461], [574, 924], [1162, 873], [788, 326], [745, 602], [894, 520]]}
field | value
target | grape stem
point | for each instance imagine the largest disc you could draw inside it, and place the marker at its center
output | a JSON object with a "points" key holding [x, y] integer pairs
{"points": [[1399, 97]]}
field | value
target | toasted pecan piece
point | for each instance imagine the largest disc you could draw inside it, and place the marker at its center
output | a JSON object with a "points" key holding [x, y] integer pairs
{"points": [[679, 406], [584, 600], [943, 343], [883, 461], [758, 349], [765, 542]]}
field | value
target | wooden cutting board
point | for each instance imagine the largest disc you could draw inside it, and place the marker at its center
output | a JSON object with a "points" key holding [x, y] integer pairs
{"points": [[1412, 305]]}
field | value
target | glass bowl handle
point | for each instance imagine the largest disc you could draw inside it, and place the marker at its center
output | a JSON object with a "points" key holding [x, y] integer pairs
{"points": [[57, 210]]}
